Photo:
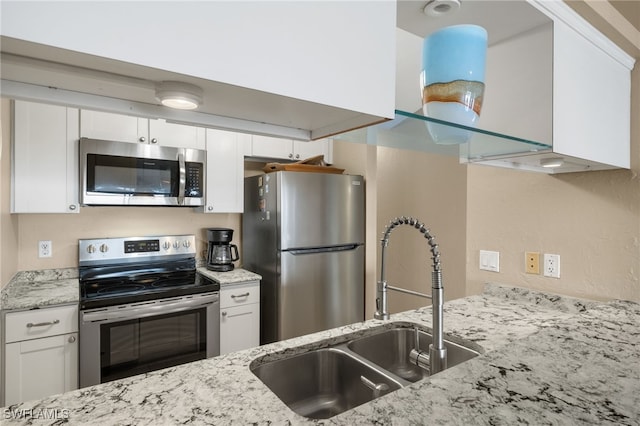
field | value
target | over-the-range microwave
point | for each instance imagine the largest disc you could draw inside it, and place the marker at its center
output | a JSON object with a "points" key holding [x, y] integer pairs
{"points": [[129, 174]]}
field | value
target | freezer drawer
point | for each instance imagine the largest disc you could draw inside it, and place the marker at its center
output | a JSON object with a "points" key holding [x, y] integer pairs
{"points": [[319, 291]]}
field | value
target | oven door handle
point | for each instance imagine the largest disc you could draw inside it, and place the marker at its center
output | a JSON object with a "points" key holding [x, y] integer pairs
{"points": [[148, 310], [183, 178]]}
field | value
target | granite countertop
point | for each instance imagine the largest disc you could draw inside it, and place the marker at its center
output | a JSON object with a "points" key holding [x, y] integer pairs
{"points": [[39, 289], [547, 360], [50, 287], [235, 276]]}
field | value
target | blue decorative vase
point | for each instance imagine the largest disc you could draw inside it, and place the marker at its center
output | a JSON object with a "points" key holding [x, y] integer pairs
{"points": [[452, 80]]}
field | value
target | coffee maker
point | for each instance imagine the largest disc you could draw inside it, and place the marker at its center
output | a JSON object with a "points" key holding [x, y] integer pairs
{"points": [[221, 253]]}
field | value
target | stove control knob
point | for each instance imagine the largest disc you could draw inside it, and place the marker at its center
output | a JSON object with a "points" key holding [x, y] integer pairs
{"points": [[91, 249], [166, 245], [176, 245], [186, 243], [104, 248]]}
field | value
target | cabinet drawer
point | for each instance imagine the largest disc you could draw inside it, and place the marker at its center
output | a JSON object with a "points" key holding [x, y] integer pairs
{"points": [[240, 294], [38, 323]]}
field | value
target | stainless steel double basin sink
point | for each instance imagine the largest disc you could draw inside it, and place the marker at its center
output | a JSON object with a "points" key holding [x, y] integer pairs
{"points": [[324, 382]]}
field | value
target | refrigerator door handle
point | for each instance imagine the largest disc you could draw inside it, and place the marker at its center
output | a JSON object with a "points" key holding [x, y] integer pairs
{"points": [[302, 251]]}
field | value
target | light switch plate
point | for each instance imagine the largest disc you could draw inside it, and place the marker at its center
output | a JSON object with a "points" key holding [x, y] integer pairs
{"points": [[490, 260]]}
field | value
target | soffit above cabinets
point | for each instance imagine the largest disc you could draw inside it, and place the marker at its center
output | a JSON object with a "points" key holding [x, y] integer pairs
{"points": [[74, 75], [259, 62]]}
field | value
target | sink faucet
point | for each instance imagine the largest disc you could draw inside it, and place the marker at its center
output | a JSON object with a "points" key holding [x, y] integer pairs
{"points": [[437, 358]]}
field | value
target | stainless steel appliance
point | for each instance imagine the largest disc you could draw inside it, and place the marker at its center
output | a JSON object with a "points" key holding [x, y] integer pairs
{"points": [[221, 253], [304, 233], [143, 307], [128, 174]]}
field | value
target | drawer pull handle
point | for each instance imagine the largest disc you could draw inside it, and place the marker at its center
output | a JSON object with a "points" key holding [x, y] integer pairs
{"points": [[233, 296], [42, 324]]}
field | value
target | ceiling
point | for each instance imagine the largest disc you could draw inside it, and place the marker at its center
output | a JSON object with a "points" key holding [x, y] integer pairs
{"points": [[504, 18]]}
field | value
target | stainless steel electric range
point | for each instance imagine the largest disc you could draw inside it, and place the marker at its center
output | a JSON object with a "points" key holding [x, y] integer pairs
{"points": [[143, 307]]}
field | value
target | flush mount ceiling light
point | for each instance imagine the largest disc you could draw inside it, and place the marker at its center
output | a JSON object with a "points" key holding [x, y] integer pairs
{"points": [[176, 94], [552, 162], [437, 8]]}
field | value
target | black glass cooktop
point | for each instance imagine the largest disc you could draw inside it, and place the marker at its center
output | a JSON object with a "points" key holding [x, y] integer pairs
{"points": [[118, 284]]}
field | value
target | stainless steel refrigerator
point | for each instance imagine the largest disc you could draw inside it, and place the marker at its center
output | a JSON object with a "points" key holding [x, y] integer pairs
{"points": [[304, 233]]}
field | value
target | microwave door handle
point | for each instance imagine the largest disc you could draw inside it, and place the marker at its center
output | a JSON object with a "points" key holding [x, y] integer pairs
{"points": [[183, 178]]}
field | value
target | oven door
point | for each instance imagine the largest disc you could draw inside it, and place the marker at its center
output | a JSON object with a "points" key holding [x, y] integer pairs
{"points": [[122, 341]]}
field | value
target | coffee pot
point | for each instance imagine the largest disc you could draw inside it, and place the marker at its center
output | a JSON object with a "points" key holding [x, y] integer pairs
{"points": [[221, 253]]}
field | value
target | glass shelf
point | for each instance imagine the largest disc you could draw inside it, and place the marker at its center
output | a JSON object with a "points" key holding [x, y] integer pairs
{"points": [[409, 131]]}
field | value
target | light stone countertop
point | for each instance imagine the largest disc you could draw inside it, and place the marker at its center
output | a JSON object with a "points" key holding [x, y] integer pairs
{"points": [[547, 360], [235, 276], [51, 287], [39, 289]]}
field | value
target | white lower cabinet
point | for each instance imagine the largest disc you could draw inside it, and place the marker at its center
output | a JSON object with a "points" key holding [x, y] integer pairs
{"points": [[41, 353], [239, 317]]}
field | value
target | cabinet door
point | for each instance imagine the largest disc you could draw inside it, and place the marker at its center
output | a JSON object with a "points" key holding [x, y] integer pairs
{"points": [[303, 150], [239, 328], [41, 367], [268, 147], [225, 171], [591, 100], [176, 135], [287, 149], [45, 159], [113, 127]]}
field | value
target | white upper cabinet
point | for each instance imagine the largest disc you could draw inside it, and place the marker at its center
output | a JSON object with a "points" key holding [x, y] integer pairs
{"points": [[113, 127], [569, 88], [45, 159], [126, 128], [177, 135], [269, 63], [558, 92], [287, 149], [225, 171], [591, 99]]}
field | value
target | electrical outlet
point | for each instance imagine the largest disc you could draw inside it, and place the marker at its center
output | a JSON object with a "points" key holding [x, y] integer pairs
{"points": [[532, 262], [45, 249], [552, 265]]}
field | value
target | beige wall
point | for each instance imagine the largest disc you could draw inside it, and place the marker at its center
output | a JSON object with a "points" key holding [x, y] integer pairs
{"points": [[64, 230], [8, 222], [591, 219], [432, 189], [360, 159], [408, 183]]}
